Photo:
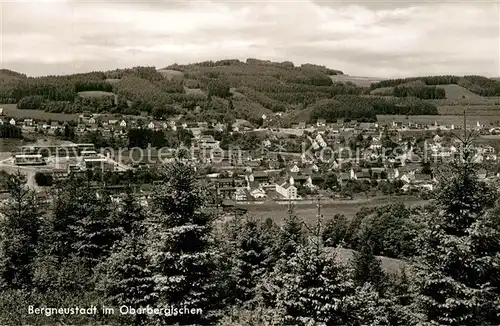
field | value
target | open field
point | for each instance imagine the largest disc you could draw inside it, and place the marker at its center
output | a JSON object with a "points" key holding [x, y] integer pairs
{"points": [[10, 145], [308, 212], [383, 91], [11, 110], [390, 265], [169, 74], [113, 80], [470, 110], [447, 120], [236, 94], [455, 92], [95, 94], [358, 80], [194, 91]]}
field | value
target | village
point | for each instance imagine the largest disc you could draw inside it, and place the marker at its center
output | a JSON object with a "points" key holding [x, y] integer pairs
{"points": [[341, 160]]}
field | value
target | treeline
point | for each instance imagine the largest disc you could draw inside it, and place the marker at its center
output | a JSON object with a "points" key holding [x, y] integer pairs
{"points": [[366, 108], [83, 249], [391, 229], [143, 138], [481, 85], [477, 84], [94, 104], [427, 80], [425, 92], [54, 88], [9, 131]]}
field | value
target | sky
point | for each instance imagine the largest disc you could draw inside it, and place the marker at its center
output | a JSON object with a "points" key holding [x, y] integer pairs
{"points": [[369, 38]]}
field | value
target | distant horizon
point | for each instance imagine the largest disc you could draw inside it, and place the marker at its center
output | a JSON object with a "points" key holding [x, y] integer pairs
{"points": [[296, 64], [400, 38]]}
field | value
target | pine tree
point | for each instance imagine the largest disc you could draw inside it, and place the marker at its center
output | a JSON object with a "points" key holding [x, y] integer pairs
{"points": [[309, 288], [368, 269], [367, 307], [291, 235], [400, 310], [59, 227], [58, 267], [19, 234], [449, 284], [129, 215], [335, 231], [126, 278], [95, 231], [182, 250], [252, 259]]}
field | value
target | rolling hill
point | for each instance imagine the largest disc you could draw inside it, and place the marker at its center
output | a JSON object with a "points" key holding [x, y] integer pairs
{"points": [[228, 89]]}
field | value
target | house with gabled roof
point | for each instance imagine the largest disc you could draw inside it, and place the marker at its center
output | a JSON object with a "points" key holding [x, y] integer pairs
{"points": [[287, 190]]}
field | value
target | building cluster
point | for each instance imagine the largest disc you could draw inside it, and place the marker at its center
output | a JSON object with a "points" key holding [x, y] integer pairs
{"points": [[337, 155]]}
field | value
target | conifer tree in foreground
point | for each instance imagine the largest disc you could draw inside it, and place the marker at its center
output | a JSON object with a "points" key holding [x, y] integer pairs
{"points": [[95, 231], [19, 234], [291, 235], [126, 279], [59, 267], [129, 216], [451, 287], [335, 231], [59, 227], [368, 269], [310, 287], [182, 250], [253, 258]]}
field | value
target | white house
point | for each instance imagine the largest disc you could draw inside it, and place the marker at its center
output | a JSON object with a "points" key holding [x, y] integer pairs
{"points": [[258, 193], [123, 124], [12, 122], [240, 194], [151, 125], [320, 141], [295, 169], [321, 122], [287, 190]]}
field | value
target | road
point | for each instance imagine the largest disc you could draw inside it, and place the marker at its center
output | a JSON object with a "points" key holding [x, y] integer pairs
{"points": [[7, 165]]}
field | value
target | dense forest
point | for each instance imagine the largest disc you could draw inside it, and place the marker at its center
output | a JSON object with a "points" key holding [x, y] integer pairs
{"points": [[83, 249], [211, 91], [477, 84], [365, 108], [229, 89]]}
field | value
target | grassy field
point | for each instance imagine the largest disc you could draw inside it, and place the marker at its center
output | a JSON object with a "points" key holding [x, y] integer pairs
{"points": [[456, 92], [194, 91], [308, 212], [113, 80], [390, 265], [358, 80], [95, 94], [169, 74], [471, 110], [457, 120], [11, 110]]}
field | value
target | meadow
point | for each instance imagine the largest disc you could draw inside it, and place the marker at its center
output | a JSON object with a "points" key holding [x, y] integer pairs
{"points": [[95, 94], [357, 80], [308, 212], [447, 120], [11, 110]]}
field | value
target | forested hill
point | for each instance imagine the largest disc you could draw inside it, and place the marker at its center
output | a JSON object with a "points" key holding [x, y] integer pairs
{"points": [[226, 89]]}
